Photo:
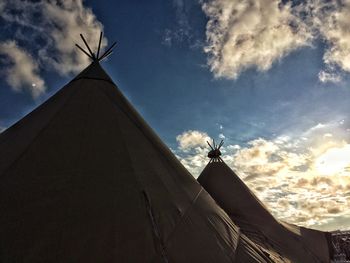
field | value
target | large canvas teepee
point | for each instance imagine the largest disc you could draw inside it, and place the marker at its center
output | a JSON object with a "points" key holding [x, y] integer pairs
{"points": [[83, 178], [297, 244]]}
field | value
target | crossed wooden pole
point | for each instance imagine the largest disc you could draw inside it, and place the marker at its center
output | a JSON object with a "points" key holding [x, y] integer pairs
{"points": [[92, 55]]}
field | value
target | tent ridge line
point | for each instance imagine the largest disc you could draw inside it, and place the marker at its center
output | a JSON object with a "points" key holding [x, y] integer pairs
{"points": [[148, 132], [139, 183], [131, 117]]}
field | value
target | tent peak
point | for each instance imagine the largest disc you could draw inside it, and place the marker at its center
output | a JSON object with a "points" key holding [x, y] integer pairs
{"points": [[94, 71], [96, 57], [215, 152]]}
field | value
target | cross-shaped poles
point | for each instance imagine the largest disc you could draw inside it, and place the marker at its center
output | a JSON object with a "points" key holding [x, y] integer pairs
{"points": [[92, 55], [215, 153]]}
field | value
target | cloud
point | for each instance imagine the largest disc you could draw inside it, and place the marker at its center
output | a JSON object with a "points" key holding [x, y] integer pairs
{"points": [[330, 18], [303, 179], [325, 76], [181, 31], [194, 160], [245, 34], [65, 22], [52, 27], [192, 139], [255, 34], [22, 72], [233, 147], [338, 156], [329, 21]]}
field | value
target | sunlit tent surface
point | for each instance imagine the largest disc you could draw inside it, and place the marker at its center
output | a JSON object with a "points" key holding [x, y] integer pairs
{"points": [[83, 178], [295, 243]]}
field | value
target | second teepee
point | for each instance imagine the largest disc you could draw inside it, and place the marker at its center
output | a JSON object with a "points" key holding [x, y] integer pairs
{"points": [[298, 244]]}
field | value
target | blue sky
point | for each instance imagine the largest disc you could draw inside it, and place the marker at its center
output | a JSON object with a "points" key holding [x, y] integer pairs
{"points": [[269, 77]]}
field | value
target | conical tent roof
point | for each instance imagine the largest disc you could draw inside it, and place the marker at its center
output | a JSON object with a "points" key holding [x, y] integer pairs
{"points": [[83, 178], [298, 244]]}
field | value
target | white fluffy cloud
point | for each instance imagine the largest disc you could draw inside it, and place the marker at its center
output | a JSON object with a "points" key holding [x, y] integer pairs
{"points": [[192, 148], [64, 23], [194, 160], [244, 34], [303, 179], [192, 139], [56, 25], [308, 186], [22, 72], [329, 76], [255, 34], [330, 20]]}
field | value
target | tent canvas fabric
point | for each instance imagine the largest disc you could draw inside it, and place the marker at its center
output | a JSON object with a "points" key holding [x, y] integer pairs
{"points": [[83, 178], [298, 244]]}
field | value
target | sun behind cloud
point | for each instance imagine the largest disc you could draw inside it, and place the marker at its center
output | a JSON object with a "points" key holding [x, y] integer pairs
{"points": [[334, 161]]}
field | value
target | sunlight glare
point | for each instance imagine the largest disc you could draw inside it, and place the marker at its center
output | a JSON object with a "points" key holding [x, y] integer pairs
{"points": [[334, 160]]}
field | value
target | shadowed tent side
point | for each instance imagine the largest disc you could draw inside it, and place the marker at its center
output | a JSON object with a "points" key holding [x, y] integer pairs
{"points": [[83, 178]]}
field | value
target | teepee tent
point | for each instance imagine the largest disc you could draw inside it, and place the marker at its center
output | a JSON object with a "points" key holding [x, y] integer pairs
{"points": [[83, 178], [298, 244]]}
